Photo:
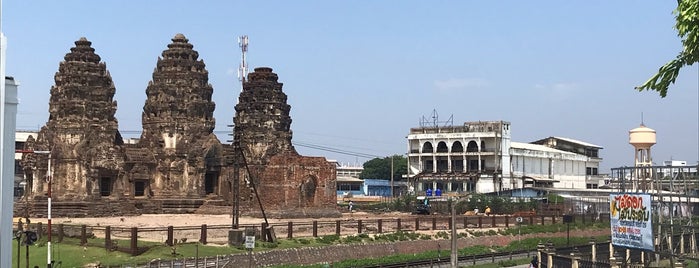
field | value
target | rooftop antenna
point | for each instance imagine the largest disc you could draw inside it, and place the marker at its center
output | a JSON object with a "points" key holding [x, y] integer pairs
{"points": [[642, 119], [434, 122], [243, 68]]}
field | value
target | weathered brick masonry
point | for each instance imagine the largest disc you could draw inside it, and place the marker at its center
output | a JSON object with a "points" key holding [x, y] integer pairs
{"points": [[178, 165]]}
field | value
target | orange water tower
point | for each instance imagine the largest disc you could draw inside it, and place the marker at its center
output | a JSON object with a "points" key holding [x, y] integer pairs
{"points": [[642, 138]]}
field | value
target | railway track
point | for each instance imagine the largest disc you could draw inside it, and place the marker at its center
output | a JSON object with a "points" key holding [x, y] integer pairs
{"points": [[462, 260]]}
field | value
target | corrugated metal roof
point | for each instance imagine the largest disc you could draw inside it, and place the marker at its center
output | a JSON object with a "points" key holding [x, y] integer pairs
{"points": [[578, 142], [348, 179], [536, 147]]}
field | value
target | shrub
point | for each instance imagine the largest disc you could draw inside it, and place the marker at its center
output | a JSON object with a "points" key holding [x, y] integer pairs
{"points": [[328, 239]]}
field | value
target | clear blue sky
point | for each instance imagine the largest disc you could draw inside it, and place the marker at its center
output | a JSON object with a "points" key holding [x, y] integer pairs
{"points": [[360, 74]]}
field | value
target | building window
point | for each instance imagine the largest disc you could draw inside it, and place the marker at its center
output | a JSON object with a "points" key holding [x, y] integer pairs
{"points": [[472, 165], [457, 147], [442, 147], [105, 186], [457, 165], [591, 171], [456, 186], [427, 148], [472, 146], [139, 188], [442, 165], [428, 166], [18, 167], [348, 187]]}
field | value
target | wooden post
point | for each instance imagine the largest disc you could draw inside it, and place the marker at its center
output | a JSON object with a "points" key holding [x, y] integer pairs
{"points": [[61, 232], [315, 228], [507, 221], [434, 223], [465, 222], [493, 221], [39, 230], [290, 230], [108, 238], [337, 227], [543, 219], [359, 226], [134, 241], [480, 222], [263, 232], [83, 235], [202, 235], [553, 219], [380, 225], [531, 219], [398, 224], [170, 236], [417, 224]]}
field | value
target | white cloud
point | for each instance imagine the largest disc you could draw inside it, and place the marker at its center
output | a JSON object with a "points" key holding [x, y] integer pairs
{"points": [[460, 84]]}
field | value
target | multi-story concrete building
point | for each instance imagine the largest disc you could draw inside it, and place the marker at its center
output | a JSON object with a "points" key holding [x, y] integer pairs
{"points": [[555, 162], [480, 157], [464, 158]]}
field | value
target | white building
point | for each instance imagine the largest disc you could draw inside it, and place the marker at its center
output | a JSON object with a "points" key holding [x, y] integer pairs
{"points": [[459, 159], [480, 157], [555, 162]]}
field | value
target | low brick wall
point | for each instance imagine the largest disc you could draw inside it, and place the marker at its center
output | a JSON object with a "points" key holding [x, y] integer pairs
{"points": [[335, 253]]}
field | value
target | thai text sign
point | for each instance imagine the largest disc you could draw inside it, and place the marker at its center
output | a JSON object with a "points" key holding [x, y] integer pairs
{"points": [[630, 219]]}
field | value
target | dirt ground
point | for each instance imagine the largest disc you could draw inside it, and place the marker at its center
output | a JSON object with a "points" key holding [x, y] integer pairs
{"points": [[164, 220], [216, 236]]}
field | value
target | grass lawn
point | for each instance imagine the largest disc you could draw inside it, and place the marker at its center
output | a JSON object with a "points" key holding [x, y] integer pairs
{"points": [[69, 253]]}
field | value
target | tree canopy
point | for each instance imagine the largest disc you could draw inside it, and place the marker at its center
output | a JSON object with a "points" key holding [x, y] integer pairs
{"points": [[687, 26], [380, 168]]}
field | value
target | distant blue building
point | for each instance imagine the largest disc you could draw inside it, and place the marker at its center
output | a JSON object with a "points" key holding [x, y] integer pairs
{"points": [[349, 186], [374, 187]]}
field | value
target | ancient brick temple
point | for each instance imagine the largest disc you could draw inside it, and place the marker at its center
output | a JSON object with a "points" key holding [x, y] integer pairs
{"points": [[82, 132], [178, 165], [291, 185]]}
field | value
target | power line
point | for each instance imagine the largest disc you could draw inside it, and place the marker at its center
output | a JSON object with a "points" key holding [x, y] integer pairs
{"points": [[296, 143], [334, 150]]}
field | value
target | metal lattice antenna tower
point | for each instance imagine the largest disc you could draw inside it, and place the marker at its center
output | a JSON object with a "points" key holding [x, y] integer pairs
{"points": [[243, 68]]}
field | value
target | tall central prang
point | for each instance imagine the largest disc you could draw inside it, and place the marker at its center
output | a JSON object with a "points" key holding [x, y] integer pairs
{"points": [[178, 124]]}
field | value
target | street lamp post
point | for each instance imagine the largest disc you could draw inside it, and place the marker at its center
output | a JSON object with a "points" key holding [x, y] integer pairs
{"points": [[392, 195], [48, 195]]}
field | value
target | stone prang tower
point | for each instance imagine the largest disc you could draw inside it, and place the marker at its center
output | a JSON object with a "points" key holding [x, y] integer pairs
{"points": [[262, 122], [178, 165], [81, 133], [178, 126], [290, 185]]}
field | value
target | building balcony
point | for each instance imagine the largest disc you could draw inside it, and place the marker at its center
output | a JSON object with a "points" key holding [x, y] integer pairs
{"points": [[416, 153]]}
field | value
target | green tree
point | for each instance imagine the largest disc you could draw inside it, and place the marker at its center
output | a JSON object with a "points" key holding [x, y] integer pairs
{"points": [[380, 168], [687, 25]]}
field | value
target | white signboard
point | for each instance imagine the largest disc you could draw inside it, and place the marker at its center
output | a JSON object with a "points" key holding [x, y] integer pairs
{"points": [[249, 241], [630, 219]]}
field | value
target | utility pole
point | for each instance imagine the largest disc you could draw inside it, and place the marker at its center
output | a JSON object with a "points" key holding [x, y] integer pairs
{"points": [[392, 195], [454, 236]]}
